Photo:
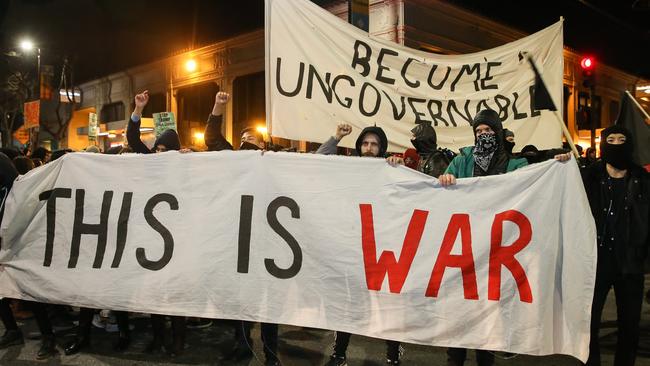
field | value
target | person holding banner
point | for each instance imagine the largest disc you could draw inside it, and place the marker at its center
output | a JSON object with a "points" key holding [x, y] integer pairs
{"points": [[12, 335], [251, 139], [618, 191], [372, 142], [433, 161], [167, 141], [488, 156]]}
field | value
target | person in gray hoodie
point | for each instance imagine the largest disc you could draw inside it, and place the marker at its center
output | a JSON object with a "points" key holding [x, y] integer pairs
{"points": [[372, 142]]}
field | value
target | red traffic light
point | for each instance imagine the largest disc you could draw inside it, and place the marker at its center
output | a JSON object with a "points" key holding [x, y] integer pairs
{"points": [[587, 63]]}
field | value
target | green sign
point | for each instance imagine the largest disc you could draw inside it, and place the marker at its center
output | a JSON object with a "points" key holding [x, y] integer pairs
{"points": [[93, 127], [164, 121]]}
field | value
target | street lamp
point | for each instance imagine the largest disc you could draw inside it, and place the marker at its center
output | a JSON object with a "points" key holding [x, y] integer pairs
{"points": [[27, 45]]}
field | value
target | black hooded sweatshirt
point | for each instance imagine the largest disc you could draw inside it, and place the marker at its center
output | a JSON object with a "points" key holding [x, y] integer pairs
{"points": [[383, 141], [169, 138]]}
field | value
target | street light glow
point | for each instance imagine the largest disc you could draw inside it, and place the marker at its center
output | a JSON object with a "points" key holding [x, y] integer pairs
{"points": [[190, 65], [27, 45]]}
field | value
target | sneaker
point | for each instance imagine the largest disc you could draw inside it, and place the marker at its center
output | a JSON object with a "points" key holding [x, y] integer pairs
{"points": [[48, 348], [11, 338], [98, 322], [337, 361], [198, 323], [391, 362]]}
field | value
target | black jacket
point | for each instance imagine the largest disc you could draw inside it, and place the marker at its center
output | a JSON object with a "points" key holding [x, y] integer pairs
{"points": [[214, 140], [633, 222], [169, 138]]}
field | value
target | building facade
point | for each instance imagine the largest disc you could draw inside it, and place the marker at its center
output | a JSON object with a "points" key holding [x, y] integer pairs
{"points": [[186, 83]]}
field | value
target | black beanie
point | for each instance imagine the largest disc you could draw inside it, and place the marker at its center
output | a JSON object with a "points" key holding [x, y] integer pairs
{"points": [[491, 118]]}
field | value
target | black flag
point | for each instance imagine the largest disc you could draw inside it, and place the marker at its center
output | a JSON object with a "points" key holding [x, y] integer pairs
{"points": [[542, 98], [631, 118]]}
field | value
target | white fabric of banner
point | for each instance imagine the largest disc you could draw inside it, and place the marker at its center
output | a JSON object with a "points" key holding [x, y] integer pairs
{"points": [[314, 222], [322, 71]]}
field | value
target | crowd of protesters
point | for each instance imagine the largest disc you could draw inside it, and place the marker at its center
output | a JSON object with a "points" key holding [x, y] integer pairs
{"points": [[617, 188]]}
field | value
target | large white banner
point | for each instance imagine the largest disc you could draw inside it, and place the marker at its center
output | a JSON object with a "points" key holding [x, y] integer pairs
{"points": [[499, 263], [321, 71]]}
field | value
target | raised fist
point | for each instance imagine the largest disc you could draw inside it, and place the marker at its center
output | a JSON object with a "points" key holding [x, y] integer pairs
{"points": [[142, 99], [342, 130]]}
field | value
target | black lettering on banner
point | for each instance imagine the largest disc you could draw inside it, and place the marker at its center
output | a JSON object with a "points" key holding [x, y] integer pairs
{"points": [[325, 87], [533, 111], [487, 76], [122, 226], [51, 196], [362, 61], [168, 239], [418, 115], [481, 105], [397, 115], [412, 84], [381, 68], [244, 242], [80, 228], [435, 117], [271, 217], [469, 70], [503, 108], [451, 106], [442, 82], [362, 109], [517, 115], [348, 100], [301, 73]]}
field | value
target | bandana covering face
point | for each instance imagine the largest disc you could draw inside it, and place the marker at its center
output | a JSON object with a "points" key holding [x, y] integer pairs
{"points": [[618, 156], [486, 145]]}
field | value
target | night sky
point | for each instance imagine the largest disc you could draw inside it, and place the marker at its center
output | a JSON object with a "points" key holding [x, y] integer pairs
{"points": [[104, 36]]}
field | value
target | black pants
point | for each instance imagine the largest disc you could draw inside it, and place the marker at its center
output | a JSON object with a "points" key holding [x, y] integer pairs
{"points": [[458, 356], [86, 319], [269, 334], [629, 299], [343, 340], [37, 308], [178, 330]]}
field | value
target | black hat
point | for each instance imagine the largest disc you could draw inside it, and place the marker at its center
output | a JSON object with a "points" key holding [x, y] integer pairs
{"points": [[170, 139], [488, 117]]}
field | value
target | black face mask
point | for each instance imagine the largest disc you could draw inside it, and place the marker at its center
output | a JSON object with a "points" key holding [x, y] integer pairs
{"points": [[248, 146], [508, 146], [424, 146], [618, 156]]}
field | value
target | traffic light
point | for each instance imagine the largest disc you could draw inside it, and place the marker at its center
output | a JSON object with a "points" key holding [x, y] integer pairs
{"points": [[588, 76]]}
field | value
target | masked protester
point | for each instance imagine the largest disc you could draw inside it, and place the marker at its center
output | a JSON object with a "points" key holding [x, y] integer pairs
{"points": [[411, 159], [168, 140], [250, 139], [433, 161], [12, 335], [487, 157], [619, 195]]}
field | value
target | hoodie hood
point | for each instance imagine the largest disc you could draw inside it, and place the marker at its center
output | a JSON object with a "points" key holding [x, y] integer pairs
{"points": [[491, 118], [426, 140], [170, 139], [383, 141]]}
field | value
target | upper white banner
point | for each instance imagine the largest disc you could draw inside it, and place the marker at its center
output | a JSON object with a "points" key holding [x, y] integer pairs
{"points": [[352, 244], [321, 71]]}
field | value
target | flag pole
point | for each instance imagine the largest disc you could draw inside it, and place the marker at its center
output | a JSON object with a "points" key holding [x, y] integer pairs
{"points": [[558, 118], [566, 133], [637, 104]]}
